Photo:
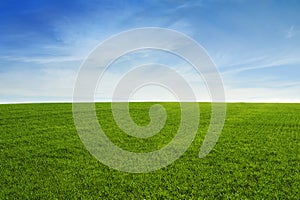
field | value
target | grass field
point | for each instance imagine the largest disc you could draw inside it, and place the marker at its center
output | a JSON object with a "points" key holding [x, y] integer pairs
{"points": [[256, 157]]}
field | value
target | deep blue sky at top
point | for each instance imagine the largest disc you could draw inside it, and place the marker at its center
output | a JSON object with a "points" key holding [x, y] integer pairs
{"points": [[255, 44]]}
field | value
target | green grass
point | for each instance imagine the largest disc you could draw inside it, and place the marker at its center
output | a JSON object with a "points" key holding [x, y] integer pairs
{"points": [[256, 157]]}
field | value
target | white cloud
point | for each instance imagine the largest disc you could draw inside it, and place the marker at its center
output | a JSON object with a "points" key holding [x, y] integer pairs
{"points": [[250, 94], [54, 83], [152, 91]]}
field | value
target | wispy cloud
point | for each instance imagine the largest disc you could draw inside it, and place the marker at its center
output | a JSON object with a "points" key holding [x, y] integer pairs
{"points": [[291, 32], [255, 64], [42, 60]]}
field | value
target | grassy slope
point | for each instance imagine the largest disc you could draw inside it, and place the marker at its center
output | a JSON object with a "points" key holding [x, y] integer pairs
{"points": [[257, 156]]}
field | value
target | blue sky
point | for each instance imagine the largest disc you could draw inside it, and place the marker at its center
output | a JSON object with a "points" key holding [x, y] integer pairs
{"points": [[255, 44]]}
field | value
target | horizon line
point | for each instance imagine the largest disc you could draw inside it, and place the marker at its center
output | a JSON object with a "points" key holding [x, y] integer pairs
{"points": [[156, 101]]}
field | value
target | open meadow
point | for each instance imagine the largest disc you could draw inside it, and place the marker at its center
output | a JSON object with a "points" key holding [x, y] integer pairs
{"points": [[257, 155]]}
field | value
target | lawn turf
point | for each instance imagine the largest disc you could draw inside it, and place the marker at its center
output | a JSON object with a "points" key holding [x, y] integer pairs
{"points": [[256, 157]]}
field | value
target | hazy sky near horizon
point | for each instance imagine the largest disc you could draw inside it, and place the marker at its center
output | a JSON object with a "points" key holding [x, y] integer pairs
{"points": [[254, 44]]}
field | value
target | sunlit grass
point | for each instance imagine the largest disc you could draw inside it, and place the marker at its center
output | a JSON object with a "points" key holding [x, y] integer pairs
{"points": [[256, 157]]}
